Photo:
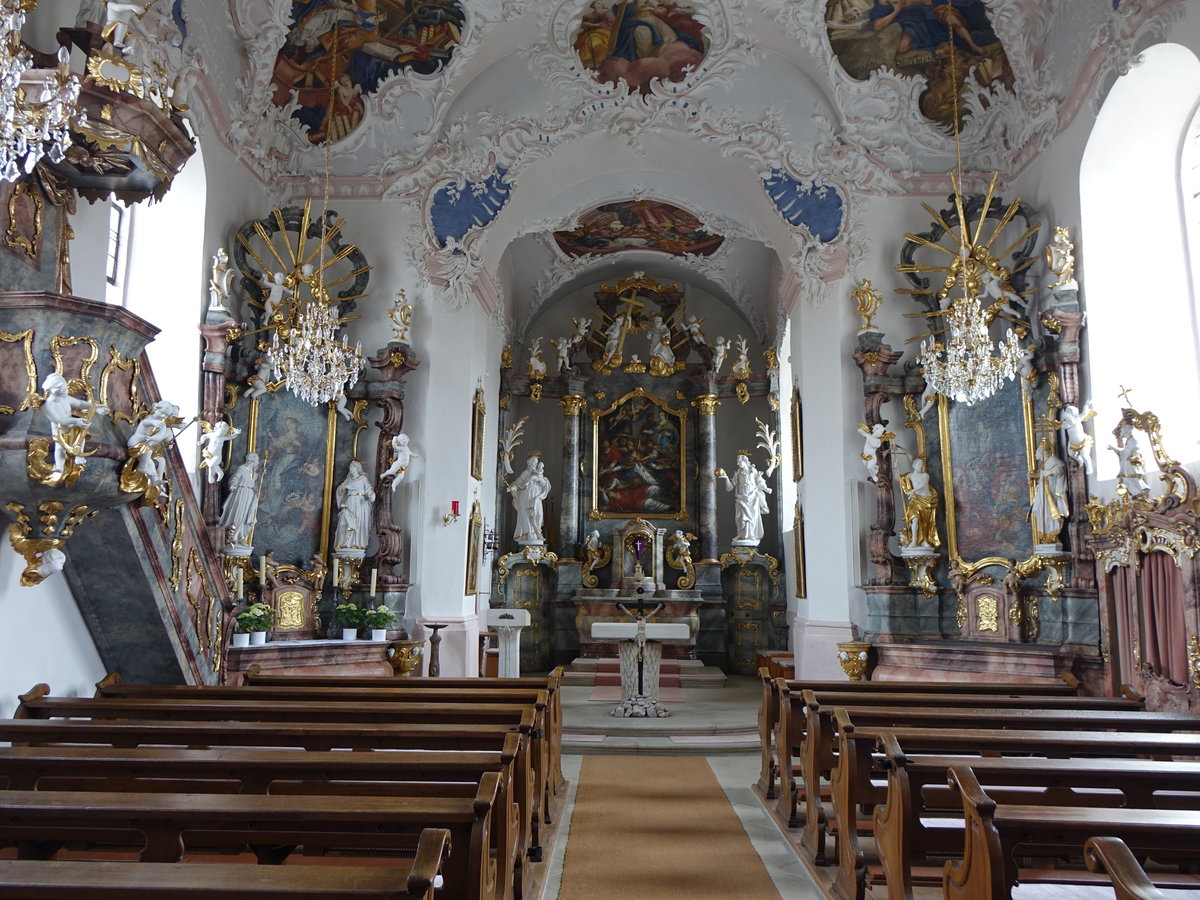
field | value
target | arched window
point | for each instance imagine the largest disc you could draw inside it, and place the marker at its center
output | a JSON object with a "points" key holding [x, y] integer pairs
{"points": [[1137, 255], [165, 283]]}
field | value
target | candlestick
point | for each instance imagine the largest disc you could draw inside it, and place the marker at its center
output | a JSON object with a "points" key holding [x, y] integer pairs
{"points": [[374, 577]]}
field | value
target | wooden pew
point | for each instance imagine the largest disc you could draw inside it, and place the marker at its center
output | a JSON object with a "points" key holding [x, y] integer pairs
{"points": [[39, 704], [112, 687], [781, 725], [41, 822], [858, 730], [916, 792], [551, 683], [313, 737], [988, 868], [417, 773], [1113, 857], [813, 740], [101, 880]]}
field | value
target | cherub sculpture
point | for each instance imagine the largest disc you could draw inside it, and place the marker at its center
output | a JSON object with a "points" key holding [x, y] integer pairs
{"points": [[562, 347], [69, 420], [1079, 442], [260, 380], [875, 437], [212, 447], [402, 455], [720, 352]]}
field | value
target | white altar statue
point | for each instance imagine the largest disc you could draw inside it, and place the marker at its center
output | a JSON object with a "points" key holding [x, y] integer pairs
{"points": [[241, 506], [220, 285], [1131, 467], [529, 491], [749, 501], [692, 325], [562, 350], [402, 456], [920, 509], [583, 325], [69, 420], [611, 356], [662, 357], [720, 353], [1079, 442], [212, 448], [354, 498], [1050, 506]]}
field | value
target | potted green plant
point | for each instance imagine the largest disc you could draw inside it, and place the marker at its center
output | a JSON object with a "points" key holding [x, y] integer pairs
{"points": [[252, 624], [350, 617], [378, 619]]}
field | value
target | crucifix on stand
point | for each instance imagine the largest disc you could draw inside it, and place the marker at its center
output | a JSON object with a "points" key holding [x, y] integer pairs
{"points": [[640, 649]]}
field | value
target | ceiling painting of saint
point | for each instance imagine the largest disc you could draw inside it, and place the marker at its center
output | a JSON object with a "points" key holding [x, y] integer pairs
{"points": [[950, 43], [338, 51], [640, 40], [638, 225]]}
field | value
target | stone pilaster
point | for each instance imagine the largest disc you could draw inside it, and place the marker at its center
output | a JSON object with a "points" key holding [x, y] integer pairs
{"points": [[568, 519], [706, 501]]}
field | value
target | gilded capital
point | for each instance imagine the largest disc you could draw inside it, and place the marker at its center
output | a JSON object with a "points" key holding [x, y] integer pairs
{"points": [[707, 404], [572, 404]]}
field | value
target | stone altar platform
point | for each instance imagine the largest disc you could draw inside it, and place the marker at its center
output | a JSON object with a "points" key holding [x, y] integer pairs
{"points": [[967, 661]]}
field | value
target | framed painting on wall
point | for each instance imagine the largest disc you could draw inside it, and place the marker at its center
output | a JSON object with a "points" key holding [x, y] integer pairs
{"points": [[798, 545], [478, 422], [797, 436], [638, 453], [474, 549]]}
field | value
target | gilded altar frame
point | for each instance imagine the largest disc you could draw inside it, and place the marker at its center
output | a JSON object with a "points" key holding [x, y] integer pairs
{"points": [[681, 415], [1033, 562]]}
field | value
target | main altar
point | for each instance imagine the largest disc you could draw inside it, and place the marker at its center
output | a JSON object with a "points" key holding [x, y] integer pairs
{"points": [[631, 504]]}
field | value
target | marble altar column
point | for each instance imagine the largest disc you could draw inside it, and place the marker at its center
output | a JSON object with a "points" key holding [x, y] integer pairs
{"points": [[707, 462], [568, 517], [214, 371]]}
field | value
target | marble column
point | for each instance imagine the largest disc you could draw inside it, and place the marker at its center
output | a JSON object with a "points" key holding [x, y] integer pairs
{"points": [[706, 502], [568, 518], [214, 372]]}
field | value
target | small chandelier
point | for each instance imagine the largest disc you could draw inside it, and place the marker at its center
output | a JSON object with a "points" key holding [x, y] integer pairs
{"points": [[37, 106], [308, 357]]}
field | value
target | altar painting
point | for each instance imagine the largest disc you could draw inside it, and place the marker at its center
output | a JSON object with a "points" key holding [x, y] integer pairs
{"points": [[293, 439], [638, 449], [638, 225], [338, 51], [985, 469], [912, 37], [640, 40]]}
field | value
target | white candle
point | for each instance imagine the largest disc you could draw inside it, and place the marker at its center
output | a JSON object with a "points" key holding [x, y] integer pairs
{"points": [[374, 576], [335, 571], [238, 580], [262, 571]]}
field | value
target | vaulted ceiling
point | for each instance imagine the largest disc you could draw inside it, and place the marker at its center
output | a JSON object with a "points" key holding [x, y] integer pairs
{"points": [[501, 122]]}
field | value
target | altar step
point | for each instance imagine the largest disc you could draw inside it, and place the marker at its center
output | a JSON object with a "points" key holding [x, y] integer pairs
{"points": [[683, 673]]}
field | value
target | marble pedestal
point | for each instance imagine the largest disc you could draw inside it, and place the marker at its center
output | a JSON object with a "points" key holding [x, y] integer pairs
{"points": [[639, 642], [507, 623]]}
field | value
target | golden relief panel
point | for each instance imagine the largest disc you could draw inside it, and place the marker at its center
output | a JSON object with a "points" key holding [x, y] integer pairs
{"points": [[30, 399], [988, 609], [81, 354], [291, 610]]}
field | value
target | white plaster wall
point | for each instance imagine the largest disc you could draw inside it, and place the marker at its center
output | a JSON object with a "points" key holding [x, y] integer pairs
{"points": [[44, 639]]}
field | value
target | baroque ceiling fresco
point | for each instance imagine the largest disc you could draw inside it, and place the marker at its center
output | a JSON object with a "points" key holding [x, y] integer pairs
{"points": [[505, 129]]}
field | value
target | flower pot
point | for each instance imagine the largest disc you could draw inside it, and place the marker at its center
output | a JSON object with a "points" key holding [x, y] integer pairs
{"points": [[349, 634], [241, 639], [258, 638], [379, 634]]}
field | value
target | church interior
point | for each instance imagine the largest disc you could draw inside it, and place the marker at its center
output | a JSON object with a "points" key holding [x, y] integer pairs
{"points": [[745, 349]]}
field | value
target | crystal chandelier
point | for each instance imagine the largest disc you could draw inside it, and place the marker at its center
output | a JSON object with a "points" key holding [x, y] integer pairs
{"points": [[965, 368], [308, 357], [968, 367], [37, 106]]}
